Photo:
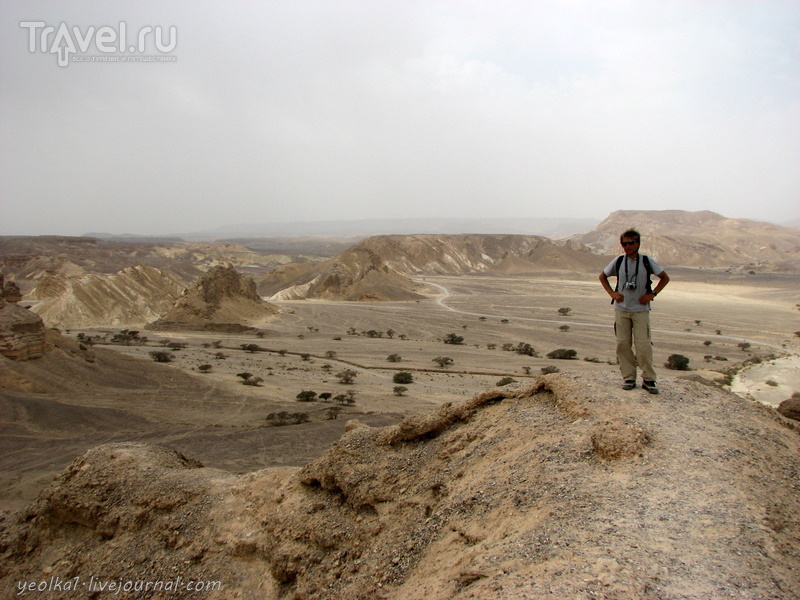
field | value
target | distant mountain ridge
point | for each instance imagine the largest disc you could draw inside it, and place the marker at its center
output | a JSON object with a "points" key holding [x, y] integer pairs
{"points": [[549, 227]]}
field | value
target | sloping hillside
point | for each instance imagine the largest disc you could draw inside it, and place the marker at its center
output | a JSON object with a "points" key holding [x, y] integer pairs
{"points": [[131, 297], [476, 253], [570, 488], [701, 239], [377, 268]]}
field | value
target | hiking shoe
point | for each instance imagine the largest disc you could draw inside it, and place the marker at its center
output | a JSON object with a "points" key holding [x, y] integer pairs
{"points": [[650, 386], [629, 384]]}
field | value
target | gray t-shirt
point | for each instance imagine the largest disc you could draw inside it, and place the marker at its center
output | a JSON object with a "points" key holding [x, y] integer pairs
{"points": [[628, 274]]}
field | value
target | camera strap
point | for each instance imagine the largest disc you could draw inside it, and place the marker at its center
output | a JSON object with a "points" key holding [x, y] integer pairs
{"points": [[647, 266], [635, 275]]}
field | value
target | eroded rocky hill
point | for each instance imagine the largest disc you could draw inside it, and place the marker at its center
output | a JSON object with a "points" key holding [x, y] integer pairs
{"points": [[702, 239], [358, 273], [132, 296], [473, 253], [569, 488], [222, 298]]}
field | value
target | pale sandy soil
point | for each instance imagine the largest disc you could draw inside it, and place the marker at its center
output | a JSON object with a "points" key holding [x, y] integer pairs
{"points": [[686, 316], [769, 382]]}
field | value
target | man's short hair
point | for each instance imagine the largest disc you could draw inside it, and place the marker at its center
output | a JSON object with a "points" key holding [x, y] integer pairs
{"points": [[632, 234]]}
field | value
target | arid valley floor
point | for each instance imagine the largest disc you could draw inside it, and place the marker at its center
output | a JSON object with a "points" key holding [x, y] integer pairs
{"points": [[215, 419]]}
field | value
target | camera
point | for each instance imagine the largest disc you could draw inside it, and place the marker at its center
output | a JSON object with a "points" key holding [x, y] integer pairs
{"points": [[630, 285]]}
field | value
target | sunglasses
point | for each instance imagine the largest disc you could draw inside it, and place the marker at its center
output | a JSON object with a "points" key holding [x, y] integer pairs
{"points": [[628, 243]]}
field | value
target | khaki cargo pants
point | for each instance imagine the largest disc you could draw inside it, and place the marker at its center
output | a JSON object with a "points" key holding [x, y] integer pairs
{"points": [[632, 330]]}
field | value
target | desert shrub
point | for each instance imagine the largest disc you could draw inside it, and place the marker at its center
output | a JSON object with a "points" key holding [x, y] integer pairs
{"points": [[403, 377], [443, 361], [452, 338], [300, 417], [505, 381], [526, 349], [305, 356], [333, 412], [591, 359], [772, 383], [250, 347], [278, 419], [325, 396], [677, 362], [161, 356], [306, 396], [744, 345], [394, 358], [562, 353], [255, 381], [399, 390], [564, 311], [204, 368], [347, 376], [564, 328], [348, 398], [244, 375], [550, 369]]}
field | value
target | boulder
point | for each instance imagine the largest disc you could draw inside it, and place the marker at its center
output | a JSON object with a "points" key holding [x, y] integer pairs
{"points": [[22, 333], [791, 408]]}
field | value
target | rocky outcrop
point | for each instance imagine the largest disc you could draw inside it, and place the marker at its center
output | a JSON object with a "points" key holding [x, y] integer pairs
{"points": [[222, 298], [791, 408], [568, 488], [22, 333]]}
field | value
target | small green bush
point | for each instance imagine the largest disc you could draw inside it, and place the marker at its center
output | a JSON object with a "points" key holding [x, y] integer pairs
{"points": [[677, 362], [563, 353], [403, 377]]}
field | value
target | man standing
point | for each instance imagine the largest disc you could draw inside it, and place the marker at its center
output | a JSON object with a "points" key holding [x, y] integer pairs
{"points": [[632, 296]]}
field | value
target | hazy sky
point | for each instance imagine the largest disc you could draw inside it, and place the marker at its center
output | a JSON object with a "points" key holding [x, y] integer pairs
{"points": [[303, 110]]}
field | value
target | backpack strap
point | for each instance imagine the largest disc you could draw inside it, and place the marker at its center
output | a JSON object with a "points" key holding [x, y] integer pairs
{"points": [[616, 267], [649, 269]]}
